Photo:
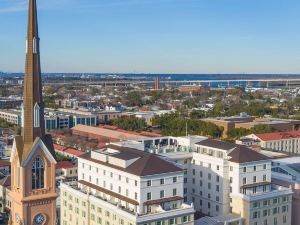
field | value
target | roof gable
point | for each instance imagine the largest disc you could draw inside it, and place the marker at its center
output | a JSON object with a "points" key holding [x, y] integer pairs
{"points": [[243, 154], [39, 144], [145, 165]]}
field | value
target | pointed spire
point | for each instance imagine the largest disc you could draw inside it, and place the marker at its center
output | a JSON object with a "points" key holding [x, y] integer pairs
{"points": [[33, 106]]}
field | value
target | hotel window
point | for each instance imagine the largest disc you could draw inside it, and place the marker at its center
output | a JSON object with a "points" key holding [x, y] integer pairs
{"points": [[185, 191], [135, 196], [264, 188], [149, 196], [37, 173], [254, 179], [174, 179], [174, 191], [120, 189], [244, 180], [284, 208], [127, 180], [217, 188], [201, 183], [217, 198], [255, 215], [149, 183], [264, 177], [119, 177], [284, 219], [209, 176], [162, 181], [218, 167], [184, 219], [218, 178], [254, 168], [135, 183], [171, 221], [201, 174], [265, 166], [245, 169], [111, 175], [162, 194]]}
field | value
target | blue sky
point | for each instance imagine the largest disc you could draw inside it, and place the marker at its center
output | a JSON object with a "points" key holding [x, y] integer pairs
{"points": [[156, 36]]}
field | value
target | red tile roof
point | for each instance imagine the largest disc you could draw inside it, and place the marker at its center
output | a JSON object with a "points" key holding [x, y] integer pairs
{"points": [[278, 135], [58, 147], [73, 151], [65, 165], [4, 163]]}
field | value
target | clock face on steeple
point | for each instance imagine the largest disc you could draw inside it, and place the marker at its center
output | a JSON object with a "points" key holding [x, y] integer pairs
{"points": [[40, 219]]}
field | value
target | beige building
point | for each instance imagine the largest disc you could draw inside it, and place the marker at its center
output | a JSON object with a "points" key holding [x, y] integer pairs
{"points": [[125, 186], [248, 122], [66, 171]]}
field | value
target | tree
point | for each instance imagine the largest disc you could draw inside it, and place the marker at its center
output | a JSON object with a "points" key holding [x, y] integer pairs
{"points": [[134, 99], [130, 123], [237, 133], [174, 125]]}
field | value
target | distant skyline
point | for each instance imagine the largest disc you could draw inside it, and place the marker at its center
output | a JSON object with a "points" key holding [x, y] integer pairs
{"points": [[156, 36]]}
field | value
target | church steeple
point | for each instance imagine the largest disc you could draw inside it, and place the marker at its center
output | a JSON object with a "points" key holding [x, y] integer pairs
{"points": [[33, 106], [33, 183]]}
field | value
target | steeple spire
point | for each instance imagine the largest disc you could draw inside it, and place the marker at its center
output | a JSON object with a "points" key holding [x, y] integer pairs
{"points": [[33, 106]]}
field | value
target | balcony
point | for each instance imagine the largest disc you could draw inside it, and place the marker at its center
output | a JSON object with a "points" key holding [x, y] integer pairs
{"points": [[275, 191], [168, 149]]}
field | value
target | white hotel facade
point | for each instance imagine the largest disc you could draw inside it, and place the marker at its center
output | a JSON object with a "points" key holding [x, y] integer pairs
{"points": [[230, 183], [125, 186]]}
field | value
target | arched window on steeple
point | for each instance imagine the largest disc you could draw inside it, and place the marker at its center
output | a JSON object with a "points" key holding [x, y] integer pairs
{"points": [[36, 121], [38, 170], [18, 174]]}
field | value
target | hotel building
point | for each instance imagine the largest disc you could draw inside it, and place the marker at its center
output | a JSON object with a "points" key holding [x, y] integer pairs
{"points": [[286, 142], [230, 183], [125, 186]]}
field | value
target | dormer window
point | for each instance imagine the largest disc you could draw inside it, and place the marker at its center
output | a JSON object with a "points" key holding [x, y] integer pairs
{"points": [[36, 122]]}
